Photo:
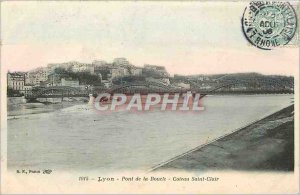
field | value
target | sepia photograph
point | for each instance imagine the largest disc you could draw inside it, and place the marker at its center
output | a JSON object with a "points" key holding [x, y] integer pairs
{"points": [[150, 97]]}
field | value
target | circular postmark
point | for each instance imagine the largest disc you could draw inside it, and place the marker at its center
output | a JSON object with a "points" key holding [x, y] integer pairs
{"points": [[267, 24]]}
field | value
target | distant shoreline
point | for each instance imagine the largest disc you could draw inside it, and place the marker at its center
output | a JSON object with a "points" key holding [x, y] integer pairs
{"points": [[14, 110], [225, 93], [13, 107]]}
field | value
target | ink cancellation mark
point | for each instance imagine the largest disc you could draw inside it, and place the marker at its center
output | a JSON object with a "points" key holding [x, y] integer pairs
{"points": [[267, 25]]}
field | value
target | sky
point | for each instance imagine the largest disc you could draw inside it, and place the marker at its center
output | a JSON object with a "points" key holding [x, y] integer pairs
{"points": [[185, 37]]}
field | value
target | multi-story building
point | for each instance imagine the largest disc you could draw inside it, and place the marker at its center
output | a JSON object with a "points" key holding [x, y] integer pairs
{"points": [[16, 81], [136, 71], [83, 68], [121, 62], [36, 76], [28, 89], [54, 79], [119, 72]]}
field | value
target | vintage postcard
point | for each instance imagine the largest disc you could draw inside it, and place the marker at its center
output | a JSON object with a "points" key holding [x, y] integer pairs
{"points": [[150, 97]]}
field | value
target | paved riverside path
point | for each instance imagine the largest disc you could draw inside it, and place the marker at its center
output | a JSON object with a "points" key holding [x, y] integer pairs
{"points": [[264, 145]]}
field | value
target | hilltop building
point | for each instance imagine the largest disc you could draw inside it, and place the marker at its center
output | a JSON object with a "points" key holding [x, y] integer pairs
{"points": [[81, 67], [36, 76], [136, 71], [54, 79], [119, 72], [121, 62], [71, 66]]}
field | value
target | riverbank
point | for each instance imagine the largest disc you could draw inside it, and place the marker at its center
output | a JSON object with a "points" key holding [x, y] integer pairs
{"points": [[264, 145], [16, 107]]}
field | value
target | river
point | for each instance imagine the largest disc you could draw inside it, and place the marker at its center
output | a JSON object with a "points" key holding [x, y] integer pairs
{"points": [[79, 138]]}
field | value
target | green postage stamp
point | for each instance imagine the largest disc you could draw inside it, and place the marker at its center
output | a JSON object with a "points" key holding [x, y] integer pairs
{"points": [[268, 24]]}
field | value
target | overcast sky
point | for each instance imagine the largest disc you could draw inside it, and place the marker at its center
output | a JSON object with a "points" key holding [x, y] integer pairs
{"points": [[185, 37]]}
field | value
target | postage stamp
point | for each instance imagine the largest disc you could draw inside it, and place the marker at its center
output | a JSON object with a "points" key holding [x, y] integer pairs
{"points": [[267, 24]]}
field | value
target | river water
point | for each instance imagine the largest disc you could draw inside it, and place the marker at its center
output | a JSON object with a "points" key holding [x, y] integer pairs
{"points": [[79, 138]]}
